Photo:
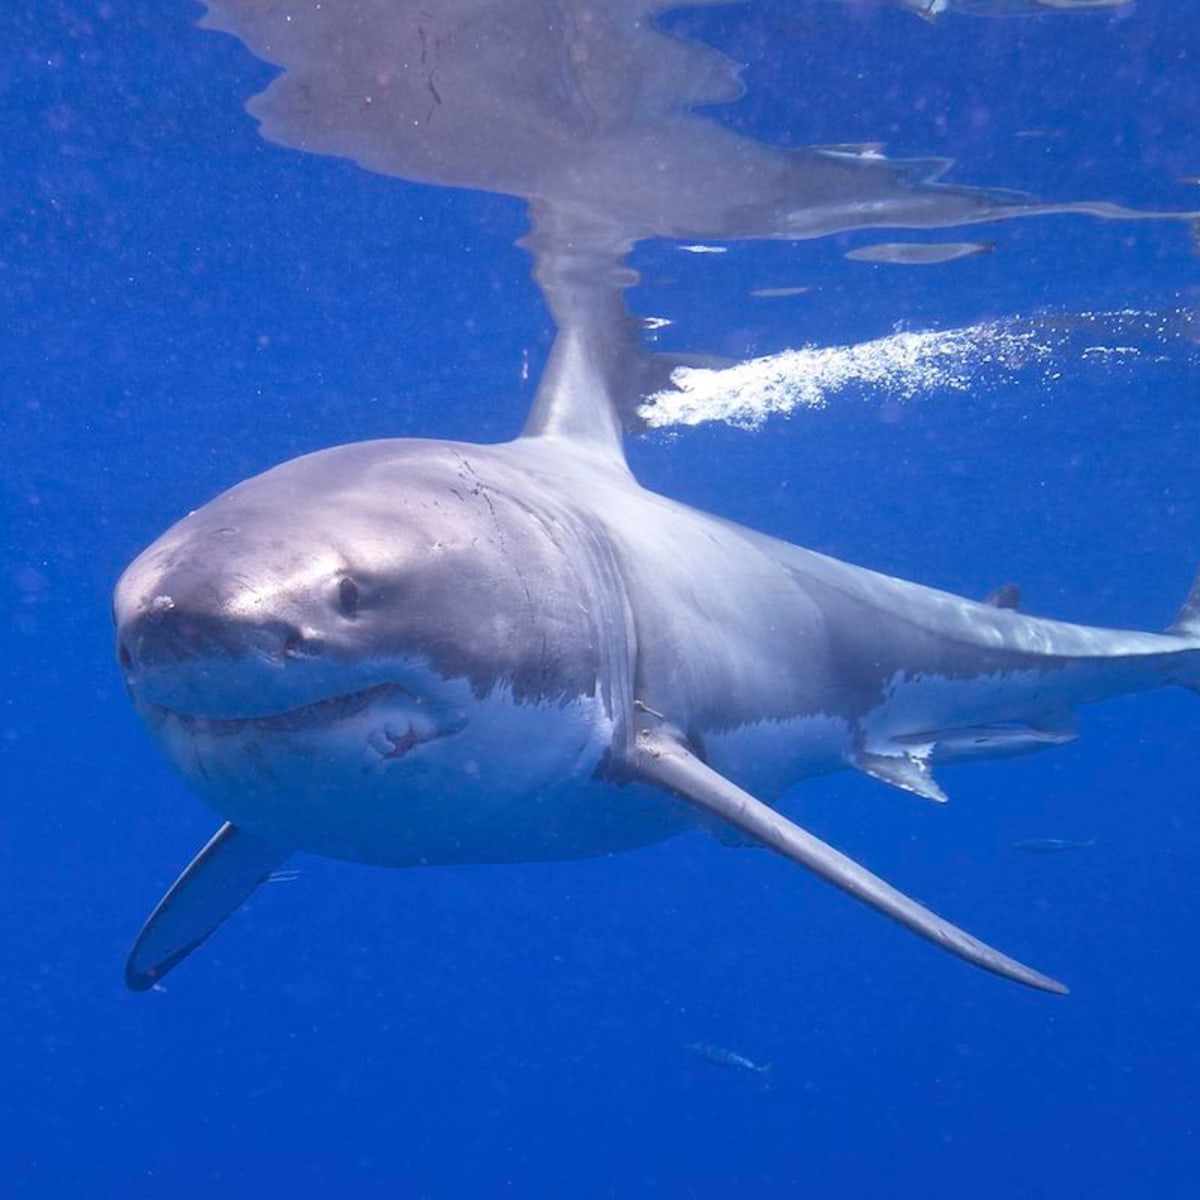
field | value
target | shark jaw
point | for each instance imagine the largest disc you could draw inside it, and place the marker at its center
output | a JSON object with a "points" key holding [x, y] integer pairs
{"points": [[422, 772], [317, 714]]}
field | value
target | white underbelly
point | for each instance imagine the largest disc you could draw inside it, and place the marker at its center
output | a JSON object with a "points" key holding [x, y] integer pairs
{"points": [[510, 783], [768, 757]]}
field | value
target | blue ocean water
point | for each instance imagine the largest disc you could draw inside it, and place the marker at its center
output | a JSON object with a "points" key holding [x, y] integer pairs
{"points": [[186, 304]]}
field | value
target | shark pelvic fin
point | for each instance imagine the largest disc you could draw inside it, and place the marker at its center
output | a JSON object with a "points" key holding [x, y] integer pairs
{"points": [[661, 759], [908, 770], [213, 884]]}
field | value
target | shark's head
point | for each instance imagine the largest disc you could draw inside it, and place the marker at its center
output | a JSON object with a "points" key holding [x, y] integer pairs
{"points": [[365, 627]]}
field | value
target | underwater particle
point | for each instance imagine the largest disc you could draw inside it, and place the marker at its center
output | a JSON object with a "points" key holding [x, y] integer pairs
{"points": [[918, 254]]}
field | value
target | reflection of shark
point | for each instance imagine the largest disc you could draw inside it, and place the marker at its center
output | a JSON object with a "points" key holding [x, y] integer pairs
{"points": [[408, 652], [592, 109], [932, 9]]}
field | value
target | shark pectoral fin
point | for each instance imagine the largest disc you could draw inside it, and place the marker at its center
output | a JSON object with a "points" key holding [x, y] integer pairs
{"points": [[908, 770], [662, 760], [214, 883]]}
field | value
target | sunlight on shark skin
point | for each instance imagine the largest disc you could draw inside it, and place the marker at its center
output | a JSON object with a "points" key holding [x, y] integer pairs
{"points": [[413, 652]]}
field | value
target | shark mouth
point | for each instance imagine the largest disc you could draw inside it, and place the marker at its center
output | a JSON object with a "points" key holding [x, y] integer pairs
{"points": [[293, 720]]}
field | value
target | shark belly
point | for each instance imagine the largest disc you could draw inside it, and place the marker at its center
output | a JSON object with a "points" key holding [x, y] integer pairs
{"points": [[767, 757], [509, 782]]}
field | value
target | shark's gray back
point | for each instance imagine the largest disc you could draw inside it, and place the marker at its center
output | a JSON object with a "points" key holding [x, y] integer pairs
{"points": [[732, 627]]}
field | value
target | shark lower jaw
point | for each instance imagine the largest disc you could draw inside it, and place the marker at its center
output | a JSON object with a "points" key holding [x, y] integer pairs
{"points": [[385, 721]]}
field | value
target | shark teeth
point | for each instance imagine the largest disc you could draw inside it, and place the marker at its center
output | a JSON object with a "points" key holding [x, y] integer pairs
{"points": [[307, 716]]}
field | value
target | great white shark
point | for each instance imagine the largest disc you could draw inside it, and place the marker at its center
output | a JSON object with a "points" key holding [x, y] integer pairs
{"points": [[411, 653]]}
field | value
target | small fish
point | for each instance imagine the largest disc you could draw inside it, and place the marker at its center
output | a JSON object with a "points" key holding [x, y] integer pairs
{"points": [[727, 1058], [285, 876], [1051, 845], [774, 293]]}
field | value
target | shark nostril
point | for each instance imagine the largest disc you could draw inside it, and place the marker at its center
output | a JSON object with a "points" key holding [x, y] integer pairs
{"points": [[124, 657], [296, 645]]}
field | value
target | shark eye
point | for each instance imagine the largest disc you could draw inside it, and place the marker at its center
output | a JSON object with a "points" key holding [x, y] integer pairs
{"points": [[347, 598]]}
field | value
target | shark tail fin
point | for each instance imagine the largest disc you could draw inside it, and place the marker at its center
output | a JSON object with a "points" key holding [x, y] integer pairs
{"points": [[1187, 625]]}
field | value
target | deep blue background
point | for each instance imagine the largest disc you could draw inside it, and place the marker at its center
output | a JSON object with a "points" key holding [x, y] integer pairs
{"points": [[183, 304]]}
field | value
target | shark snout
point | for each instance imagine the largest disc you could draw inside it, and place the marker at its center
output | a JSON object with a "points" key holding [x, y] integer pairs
{"points": [[163, 633]]}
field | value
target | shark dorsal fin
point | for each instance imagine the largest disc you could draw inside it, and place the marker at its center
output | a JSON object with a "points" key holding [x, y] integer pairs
{"points": [[594, 376], [578, 399]]}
